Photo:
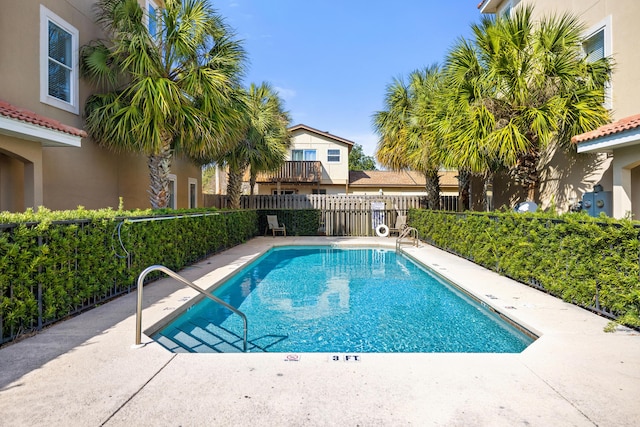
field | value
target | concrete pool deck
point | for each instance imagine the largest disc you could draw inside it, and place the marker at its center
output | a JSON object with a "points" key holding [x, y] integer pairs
{"points": [[84, 371]]}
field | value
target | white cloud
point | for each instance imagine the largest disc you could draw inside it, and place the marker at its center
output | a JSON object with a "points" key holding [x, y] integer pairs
{"points": [[286, 94]]}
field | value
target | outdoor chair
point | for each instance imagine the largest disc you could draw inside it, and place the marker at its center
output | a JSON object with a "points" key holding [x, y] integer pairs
{"points": [[275, 226], [401, 224]]}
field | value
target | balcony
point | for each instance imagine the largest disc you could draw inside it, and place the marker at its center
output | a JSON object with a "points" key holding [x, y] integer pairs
{"points": [[303, 171]]}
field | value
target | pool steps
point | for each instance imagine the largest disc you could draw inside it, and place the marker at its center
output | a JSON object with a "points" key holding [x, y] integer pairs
{"points": [[201, 336], [179, 278]]}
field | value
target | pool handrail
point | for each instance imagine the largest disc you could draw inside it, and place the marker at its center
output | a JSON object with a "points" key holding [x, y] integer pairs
{"points": [[176, 276], [406, 232]]}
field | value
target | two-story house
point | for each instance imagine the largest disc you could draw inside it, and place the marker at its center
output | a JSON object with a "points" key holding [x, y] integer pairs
{"points": [[317, 163], [608, 159], [46, 159]]}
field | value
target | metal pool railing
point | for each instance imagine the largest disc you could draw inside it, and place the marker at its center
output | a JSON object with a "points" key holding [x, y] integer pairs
{"points": [[176, 276]]}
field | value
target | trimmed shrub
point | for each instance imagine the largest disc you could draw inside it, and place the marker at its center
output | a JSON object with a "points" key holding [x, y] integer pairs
{"points": [[590, 262]]}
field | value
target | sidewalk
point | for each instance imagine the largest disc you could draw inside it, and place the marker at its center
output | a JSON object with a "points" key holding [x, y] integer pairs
{"points": [[85, 372]]}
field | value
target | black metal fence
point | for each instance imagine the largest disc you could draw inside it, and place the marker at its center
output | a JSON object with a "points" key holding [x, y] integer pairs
{"points": [[54, 269], [23, 286]]}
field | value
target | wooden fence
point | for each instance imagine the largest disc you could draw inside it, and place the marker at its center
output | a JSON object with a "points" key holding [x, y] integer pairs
{"points": [[342, 215]]}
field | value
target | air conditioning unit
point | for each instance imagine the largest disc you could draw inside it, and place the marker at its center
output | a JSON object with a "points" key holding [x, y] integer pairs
{"points": [[595, 202]]}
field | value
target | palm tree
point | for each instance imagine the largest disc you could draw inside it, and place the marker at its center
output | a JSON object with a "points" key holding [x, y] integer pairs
{"points": [[407, 140], [529, 87], [264, 143], [462, 120], [167, 92]]}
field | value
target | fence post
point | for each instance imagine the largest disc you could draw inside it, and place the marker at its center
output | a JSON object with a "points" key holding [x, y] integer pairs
{"points": [[39, 287]]}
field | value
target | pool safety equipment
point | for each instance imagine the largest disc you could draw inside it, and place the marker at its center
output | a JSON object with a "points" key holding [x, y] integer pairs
{"points": [[377, 218], [382, 230]]}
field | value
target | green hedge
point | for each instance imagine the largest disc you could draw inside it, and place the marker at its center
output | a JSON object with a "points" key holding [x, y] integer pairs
{"points": [[298, 222], [591, 262], [53, 264]]}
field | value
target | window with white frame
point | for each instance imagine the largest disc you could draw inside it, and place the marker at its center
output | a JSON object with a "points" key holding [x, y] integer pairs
{"points": [[507, 7], [333, 155], [152, 12], [594, 46], [173, 192], [597, 44], [303, 155], [193, 193], [58, 62]]}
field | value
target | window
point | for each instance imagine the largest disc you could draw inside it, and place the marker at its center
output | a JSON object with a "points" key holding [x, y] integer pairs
{"points": [[509, 5], [333, 156], [58, 62], [299, 155], [597, 45], [319, 191], [283, 192], [173, 196], [594, 46], [152, 18], [193, 193]]}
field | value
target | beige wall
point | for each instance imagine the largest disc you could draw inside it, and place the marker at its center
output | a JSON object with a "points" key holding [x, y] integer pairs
{"points": [[96, 178], [569, 175], [18, 193], [63, 177], [626, 182], [20, 41], [625, 33], [334, 172]]}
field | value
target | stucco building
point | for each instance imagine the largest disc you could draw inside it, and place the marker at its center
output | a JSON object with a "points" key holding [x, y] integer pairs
{"points": [[607, 159], [317, 163], [46, 159]]}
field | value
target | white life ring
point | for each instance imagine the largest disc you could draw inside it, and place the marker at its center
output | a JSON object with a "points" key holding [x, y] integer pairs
{"points": [[382, 230]]}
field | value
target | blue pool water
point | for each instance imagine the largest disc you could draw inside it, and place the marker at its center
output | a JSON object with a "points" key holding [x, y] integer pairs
{"points": [[324, 299]]}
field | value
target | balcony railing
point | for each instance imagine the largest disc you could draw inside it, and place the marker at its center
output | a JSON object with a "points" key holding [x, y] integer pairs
{"points": [[302, 171]]}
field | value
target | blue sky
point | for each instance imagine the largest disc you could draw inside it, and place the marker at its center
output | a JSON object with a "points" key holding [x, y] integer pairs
{"points": [[331, 60]]}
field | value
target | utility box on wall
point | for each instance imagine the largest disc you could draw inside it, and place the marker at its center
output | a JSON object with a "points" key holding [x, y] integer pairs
{"points": [[594, 203]]}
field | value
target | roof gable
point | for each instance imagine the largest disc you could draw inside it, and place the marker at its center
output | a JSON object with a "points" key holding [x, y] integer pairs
{"points": [[301, 127]]}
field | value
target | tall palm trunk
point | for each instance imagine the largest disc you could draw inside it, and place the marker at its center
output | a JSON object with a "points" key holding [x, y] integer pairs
{"points": [[464, 185], [252, 181], [525, 172], [487, 190], [433, 189], [159, 168], [234, 187]]}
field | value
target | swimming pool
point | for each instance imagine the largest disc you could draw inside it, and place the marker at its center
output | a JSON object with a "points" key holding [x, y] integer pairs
{"points": [[337, 300]]}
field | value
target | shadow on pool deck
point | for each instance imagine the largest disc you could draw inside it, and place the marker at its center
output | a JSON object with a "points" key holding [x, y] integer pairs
{"points": [[84, 371]]}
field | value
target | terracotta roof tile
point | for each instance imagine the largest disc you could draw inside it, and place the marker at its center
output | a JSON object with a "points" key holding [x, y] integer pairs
{"points": [[27, 116], [397, 179], [627, 123]]}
